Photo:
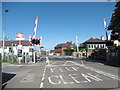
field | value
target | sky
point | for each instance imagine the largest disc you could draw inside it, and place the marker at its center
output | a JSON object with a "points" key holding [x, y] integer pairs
{"points": [[58, 22]]}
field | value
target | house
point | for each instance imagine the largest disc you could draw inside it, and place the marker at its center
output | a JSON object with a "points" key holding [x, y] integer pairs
{"points": [[12, 47], [94, 44], [60, 47]]}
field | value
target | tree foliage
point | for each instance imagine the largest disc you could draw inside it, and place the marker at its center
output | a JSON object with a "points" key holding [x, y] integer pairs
{"points": [[115, 20], [68, 49]]}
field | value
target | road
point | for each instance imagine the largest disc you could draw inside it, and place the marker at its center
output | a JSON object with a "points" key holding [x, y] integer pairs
{"points": [[59, 72]]}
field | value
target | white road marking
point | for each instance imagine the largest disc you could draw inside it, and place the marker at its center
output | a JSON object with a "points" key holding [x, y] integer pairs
{"points": [[51, 69], [74, 78], [68, 69], [43, 78], [74, 68], [91, 76], [98, 71], [49, 79], [61, 70], [94, 76], [41, 85], [64, 80]]}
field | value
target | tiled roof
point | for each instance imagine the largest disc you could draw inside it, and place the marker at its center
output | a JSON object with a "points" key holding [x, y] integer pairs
{"points": [[94, 40], [9, 43], [68, 44]]}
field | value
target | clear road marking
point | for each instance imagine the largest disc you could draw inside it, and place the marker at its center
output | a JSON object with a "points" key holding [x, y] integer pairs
{"points": [[64, 80], [90, 76], [74, 78], [98, 71], [95, 77], [49, 79], [59, 79]]}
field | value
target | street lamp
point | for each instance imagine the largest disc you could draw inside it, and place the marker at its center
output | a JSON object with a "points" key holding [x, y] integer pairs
{"points": [[4, 33]]}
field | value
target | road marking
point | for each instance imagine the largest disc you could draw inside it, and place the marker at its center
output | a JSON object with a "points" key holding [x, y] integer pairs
{"points": [[64, 80], [74, 68], [95, 77], [51, 69], [69, 69], [49, 79], [99, 71], [65, 63], [41, 85], [43, 77], [61, 70], [74, 78]]}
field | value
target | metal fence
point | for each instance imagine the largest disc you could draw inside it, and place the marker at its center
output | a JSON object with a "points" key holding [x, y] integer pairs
{"points": [[26, 58]]}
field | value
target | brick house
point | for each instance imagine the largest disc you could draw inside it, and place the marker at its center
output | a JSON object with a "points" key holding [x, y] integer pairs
{"points": [[60, 47]]}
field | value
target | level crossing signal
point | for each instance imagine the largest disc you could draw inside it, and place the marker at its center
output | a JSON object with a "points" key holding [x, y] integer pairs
{"points": [[35, 41]]}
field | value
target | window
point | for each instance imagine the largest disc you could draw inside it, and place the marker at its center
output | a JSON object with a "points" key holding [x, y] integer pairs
{"points": [[92, 45], [89, 45]]}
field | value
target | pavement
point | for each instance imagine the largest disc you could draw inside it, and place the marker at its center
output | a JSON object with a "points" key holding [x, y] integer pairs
{"points": [[61, 72]]}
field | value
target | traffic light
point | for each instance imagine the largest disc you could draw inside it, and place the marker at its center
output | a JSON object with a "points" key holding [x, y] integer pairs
{"points": [[19, 52]]}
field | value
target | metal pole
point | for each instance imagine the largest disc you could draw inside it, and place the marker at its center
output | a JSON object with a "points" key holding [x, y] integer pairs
{"points": [[4, 33], [12, 51]]}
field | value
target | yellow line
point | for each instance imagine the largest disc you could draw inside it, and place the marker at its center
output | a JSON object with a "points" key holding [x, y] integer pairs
{"points": [[65, 62]]}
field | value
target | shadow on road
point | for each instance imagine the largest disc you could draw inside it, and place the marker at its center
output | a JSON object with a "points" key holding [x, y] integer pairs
{"points": [[104, 62], [6, 77]]}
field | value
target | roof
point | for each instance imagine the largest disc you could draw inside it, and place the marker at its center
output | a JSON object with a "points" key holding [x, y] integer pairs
{"points": [[15, 42], [68, 44], [94, 41]]}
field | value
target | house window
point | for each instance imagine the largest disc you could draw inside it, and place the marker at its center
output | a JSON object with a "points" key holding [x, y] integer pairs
{"points": [[98, 46], [92, 45], [103, 46], [89, 46]]}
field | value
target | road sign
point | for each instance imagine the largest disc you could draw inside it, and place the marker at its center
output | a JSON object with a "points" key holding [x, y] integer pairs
{"points": [[19, 36]]}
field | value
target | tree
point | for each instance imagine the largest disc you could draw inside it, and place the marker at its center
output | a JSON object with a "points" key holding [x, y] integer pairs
{"points": [[115, 20]]}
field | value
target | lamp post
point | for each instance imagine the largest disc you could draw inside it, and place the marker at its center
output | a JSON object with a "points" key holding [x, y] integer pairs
{"points": [[4, 33]]}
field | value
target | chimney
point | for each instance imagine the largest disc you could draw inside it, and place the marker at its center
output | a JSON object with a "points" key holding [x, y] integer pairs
{"points": [[70, 42], [102, 38]]}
